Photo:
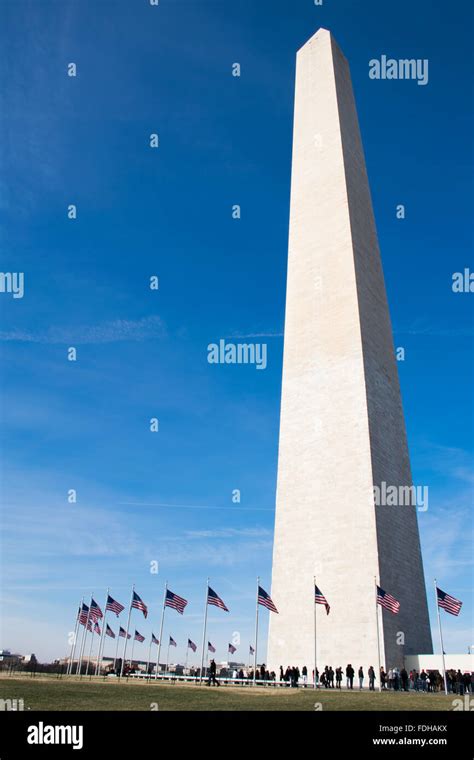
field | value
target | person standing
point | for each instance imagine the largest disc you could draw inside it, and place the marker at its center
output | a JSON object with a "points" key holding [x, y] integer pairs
{"points": [[371, 673], [390, 678], [467, 682], [396, 679], [338, 677], [423, 677], [404, 679], [361, 678], [304, 673], [350, 676], [212, 674], [331, 676]]}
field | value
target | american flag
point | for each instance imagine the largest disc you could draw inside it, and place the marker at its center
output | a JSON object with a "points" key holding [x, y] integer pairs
{"points": [[265, 600], [96, 612], [319, 598], [139, 605], [138, 636], [109, 632], [97, 628], [172, 642], [212, 598], [387, 601], [124, 633], [232, 649], [154, 640], [192, 645], [83, 615], [210, 647], [252, 650], [114, 606], [448, 603], [175, 601]]}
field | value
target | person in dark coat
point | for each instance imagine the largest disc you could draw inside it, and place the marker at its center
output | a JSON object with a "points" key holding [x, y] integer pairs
{"points": [[404, 679], [350, 676], [331, 677], [371, 673], [467, 682], [327, 683], [459, 684], [296, 676], [338, 677], [212, 674]]}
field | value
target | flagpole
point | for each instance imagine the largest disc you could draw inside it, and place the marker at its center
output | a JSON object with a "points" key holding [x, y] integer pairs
{"points": [[378, 634], [80, 648], [101, 642], [186, 660], [256, 637], [315, 646], [73, 646], [204, 631], [90, 650], [161, 630], [133, 647], [168, 657], [149, 653], [86, 628], [441, 638], [126, 632]]}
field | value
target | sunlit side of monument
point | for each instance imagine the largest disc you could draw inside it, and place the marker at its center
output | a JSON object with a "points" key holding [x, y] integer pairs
{"points": [[342, 428]]}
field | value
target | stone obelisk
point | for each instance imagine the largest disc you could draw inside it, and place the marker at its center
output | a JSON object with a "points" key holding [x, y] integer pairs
{"points": [[342, 428]]}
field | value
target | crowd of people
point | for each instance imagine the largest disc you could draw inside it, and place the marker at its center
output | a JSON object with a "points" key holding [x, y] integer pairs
{"points": [[395, 679]]}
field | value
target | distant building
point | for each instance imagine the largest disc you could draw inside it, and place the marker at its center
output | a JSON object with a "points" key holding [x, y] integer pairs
{"points": [[7, 658]]}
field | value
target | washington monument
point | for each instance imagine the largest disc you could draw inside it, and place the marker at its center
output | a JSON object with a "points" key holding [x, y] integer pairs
{"points": [[342, 429]]}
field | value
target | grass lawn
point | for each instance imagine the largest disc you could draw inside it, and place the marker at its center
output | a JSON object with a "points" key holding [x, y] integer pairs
{"points": [[49, 693]]}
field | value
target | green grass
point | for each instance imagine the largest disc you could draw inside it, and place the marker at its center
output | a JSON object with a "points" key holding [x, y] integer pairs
{"points": [[47, 693]]}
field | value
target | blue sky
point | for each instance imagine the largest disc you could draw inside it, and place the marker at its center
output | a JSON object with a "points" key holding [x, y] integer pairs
{"points": [[167, 496]]}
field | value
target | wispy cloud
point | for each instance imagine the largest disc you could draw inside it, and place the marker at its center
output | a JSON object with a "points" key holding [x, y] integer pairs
{"points": [[450, 461], [262, 334], [229, 533], [113, 331], [446, 541], [216, 553]]}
